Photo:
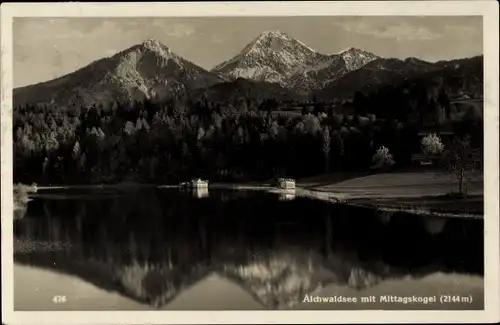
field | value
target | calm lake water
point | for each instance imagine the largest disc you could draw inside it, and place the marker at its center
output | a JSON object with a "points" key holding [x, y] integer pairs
{"points": [[144, 249]]}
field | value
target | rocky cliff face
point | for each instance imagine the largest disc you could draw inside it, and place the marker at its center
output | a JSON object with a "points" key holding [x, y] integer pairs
{"points": [[276, 57]]}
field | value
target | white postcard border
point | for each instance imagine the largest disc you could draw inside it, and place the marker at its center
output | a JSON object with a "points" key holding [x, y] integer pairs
{"points": [[487, 9]]}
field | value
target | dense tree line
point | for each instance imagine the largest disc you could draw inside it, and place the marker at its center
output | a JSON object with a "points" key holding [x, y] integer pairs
{"points": [[244, 139]]}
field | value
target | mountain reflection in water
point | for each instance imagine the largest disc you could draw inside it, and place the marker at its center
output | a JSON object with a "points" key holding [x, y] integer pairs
{"points": [[150, 245]]}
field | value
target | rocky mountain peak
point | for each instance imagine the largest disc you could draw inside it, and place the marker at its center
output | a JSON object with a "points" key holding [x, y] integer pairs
{"points": [[351, 50], [156, 46], [151, 42], [272, 56], [273, 34], [355, 58], [270, 42]]}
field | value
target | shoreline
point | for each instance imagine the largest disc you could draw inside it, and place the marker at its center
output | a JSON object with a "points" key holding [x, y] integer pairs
{"points": [[370, 202], [392, 204]]}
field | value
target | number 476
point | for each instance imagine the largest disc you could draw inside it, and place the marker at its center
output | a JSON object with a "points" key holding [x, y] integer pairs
{"points": [[59, 299]]}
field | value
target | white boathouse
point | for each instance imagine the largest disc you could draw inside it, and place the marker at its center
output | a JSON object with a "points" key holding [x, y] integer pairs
{"points": [[286, 183]]}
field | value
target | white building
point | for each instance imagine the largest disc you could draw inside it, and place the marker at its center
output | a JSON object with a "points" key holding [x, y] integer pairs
{"points": [[198, 183], [286, 183]]}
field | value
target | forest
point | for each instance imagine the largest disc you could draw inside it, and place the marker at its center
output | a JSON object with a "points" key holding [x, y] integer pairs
{"points": [[240, 139]]}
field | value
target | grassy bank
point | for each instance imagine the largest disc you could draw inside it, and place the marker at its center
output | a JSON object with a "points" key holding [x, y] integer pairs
{"points": [[414, 192]]}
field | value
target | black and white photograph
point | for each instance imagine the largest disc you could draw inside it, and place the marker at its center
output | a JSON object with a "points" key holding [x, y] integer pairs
{"points": [[249, 162]]}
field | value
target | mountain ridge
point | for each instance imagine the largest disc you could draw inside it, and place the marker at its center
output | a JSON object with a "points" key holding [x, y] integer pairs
{"points": [[274, 63], [393, 72]]}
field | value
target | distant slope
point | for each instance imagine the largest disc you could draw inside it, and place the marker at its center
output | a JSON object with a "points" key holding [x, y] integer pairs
{"points": [[248, 89], [459, 75], [338, 65], [463, 77], [147, 70]]}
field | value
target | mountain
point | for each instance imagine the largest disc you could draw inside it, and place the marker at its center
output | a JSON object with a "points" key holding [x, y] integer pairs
{"points": [[273, 65], [319, 76], [413, 88], [375, 74], [273, 57], [457, 77], [276, 57], [147, 70]]}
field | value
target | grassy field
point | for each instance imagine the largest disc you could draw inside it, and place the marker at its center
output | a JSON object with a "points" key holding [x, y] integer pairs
{"points": [[391, 185], [424, 191]]}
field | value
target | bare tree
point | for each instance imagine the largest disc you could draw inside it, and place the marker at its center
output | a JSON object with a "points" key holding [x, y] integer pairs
{"points": [[460, 159]]}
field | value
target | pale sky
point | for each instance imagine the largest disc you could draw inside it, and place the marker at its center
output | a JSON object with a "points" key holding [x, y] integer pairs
{"points": [[47, 48]]}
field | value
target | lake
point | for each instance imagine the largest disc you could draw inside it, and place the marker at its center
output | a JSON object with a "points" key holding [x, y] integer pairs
{"points": [[151, 248]]}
